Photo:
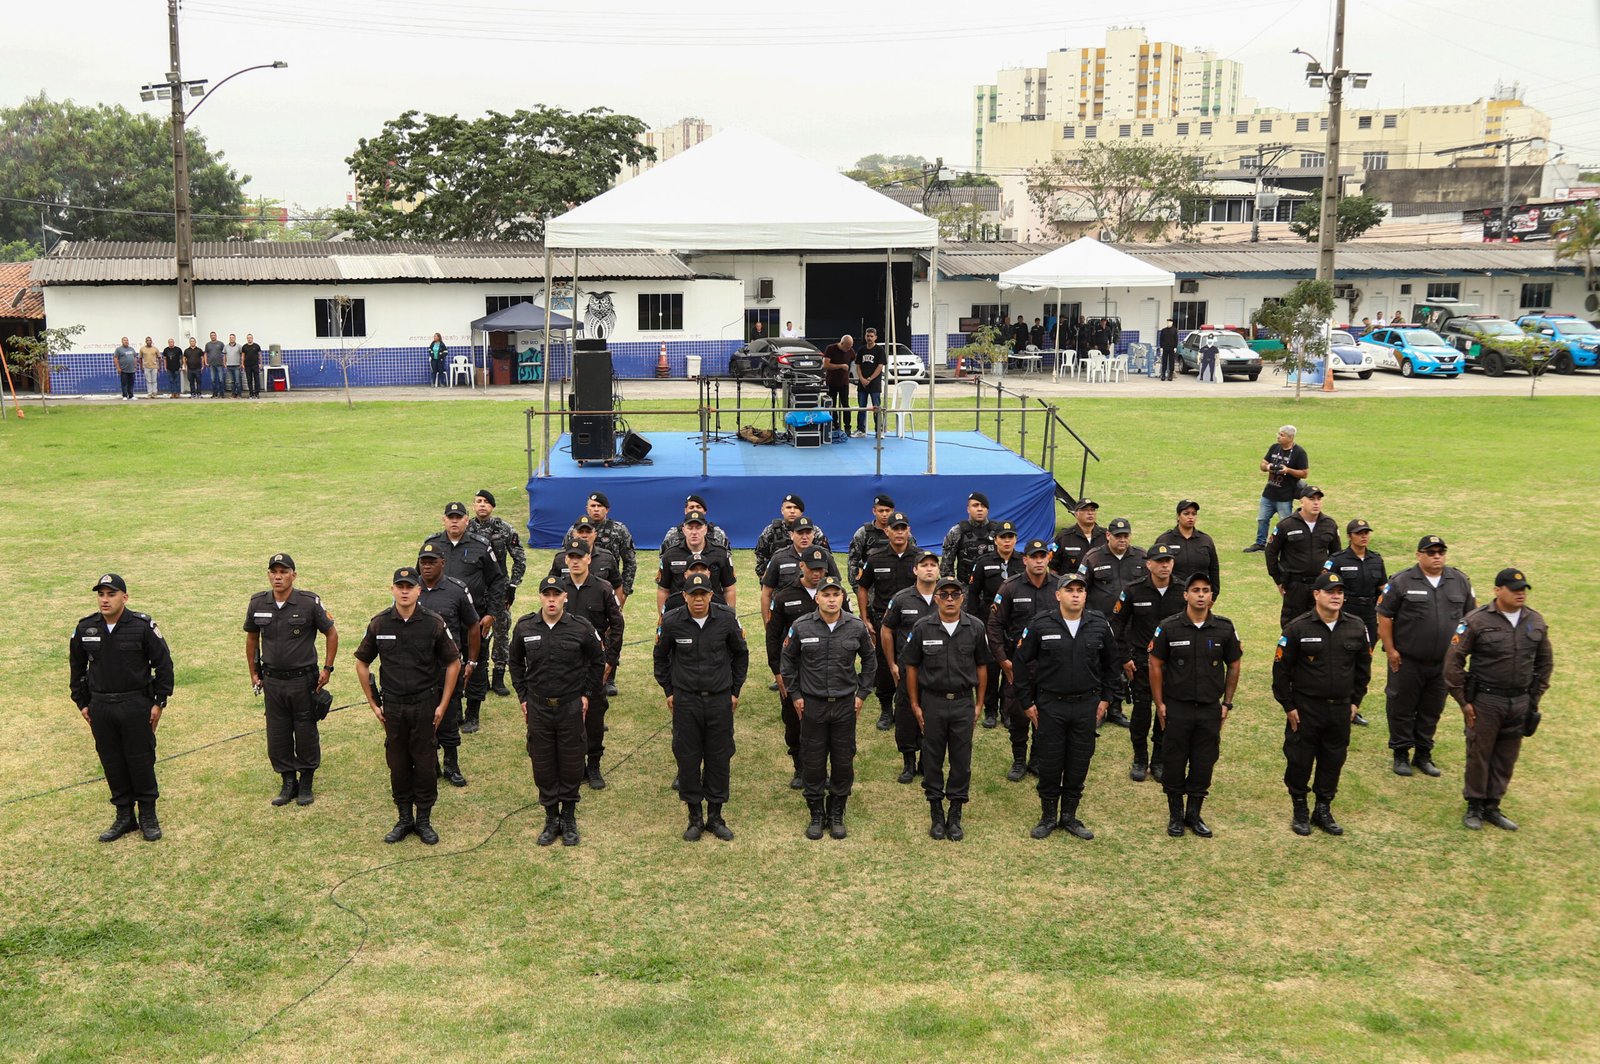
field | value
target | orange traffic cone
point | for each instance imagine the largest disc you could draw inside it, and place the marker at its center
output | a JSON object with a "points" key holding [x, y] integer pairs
{"points": [[663, 371]]}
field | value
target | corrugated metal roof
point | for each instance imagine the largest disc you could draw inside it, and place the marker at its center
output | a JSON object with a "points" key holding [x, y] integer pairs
{"points": [[110, 262], [18, 297]]}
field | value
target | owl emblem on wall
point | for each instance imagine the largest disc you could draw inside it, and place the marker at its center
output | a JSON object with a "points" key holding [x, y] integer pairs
{"points": [[600, 316]]}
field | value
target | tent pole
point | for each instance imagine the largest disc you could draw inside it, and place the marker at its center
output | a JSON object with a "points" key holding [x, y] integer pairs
{"points": [[933, 347], [549, 265]]}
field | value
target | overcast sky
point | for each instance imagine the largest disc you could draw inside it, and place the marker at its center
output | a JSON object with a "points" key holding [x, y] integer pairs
{"points": [[833, 79]]}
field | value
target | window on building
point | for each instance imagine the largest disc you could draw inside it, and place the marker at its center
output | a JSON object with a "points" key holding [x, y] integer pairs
{"points": [[1538, 295], [1302, 125], [1391, 121], [1068, 132], [1265, 126], [1188, 314], [661, 313], [1205, 129], [1312, 160], [1241, 127], [769, 317], [992, 313], [339, 317], [1405, 289], [1091, 132], [1323, 125], [1363, 121], [1444, 289], [1375, 160], [1147, 130], [495, 304], [1183, 129], [1125, 131]]}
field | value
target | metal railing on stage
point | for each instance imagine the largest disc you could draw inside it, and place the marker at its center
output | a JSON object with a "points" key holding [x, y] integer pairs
{"points": [[1008, 408]]}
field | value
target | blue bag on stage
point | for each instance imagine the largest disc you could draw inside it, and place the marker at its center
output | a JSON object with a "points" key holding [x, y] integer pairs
{"points": [[797, 418]]}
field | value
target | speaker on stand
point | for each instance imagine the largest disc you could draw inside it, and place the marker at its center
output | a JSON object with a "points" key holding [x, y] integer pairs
{"points": [[593, 426]]}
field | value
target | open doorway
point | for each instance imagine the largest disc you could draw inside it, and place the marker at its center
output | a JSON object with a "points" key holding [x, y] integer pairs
{"points": [[848, 297]]}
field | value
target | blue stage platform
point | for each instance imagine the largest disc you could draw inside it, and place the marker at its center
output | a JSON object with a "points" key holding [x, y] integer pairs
{"points": [[746, 483]]}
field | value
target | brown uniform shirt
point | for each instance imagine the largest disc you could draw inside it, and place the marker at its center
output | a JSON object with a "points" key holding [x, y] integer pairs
{"points": [[1509, 661]]}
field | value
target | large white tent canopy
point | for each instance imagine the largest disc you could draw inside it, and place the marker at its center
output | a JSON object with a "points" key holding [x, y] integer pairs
{"points": [[1085, 263]]}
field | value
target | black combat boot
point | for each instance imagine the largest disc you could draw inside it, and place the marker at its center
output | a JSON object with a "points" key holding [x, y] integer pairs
{"points": [[306, 795], [287, 792], [1139, 770], [991, 718], [1301, 824], [715, 824], [885, 717], [469, 721], [1472, 821], [497, 682], [675, 781], [697, 823], [1175, 822], [452, 767], [403, 826], [836, 817], [1423, 762], [819, 817], [908, 768], [796, 782], [1114, 715], [591, 773], [569, 823], [1322, 817], [150, 827], [1192, 818], [952, 822], [125, 823], [1070, 822], [424, 826], [1402, 762], [1017, 771], [1158, 768], [552, 825], [1047, 819], [1491, 815], [936, 827]]}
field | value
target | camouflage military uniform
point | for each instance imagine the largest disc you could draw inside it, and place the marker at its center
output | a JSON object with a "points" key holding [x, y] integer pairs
{"points": [[615, 537], [504, 540]]}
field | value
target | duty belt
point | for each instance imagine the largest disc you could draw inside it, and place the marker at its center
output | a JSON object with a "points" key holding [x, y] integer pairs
{"points": [[708, 694], [287, 674], [948, 696], [1074, 696], [1503, 692], [119, 694], [553, 703]]}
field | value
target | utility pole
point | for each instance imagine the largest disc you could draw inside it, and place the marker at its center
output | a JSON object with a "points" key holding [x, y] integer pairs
{"points": [[1505, 181], [1262, 163], [182, 222]]}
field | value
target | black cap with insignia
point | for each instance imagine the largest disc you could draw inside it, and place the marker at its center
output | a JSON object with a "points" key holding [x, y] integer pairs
{"points": [[1355, 526], [1073, 577], [600, 497], [698, 584], [830, 584], [1119, 526], [1161, 552], [795, 500], [898, 519], [1007, 528], [429, 550], [925, 556], [550, 583], [455, 509], [1328, 580], [1038, 546], [111, 580], [815, 558], [694, 517], [406, 575], [1431, 543], [949, 581], [577, 547], [584, 522], [282, 560], [1511, 580]]}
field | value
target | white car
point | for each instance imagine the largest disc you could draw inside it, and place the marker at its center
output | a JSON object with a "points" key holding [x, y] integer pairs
{"points": [[1350, 359], [904, 365]]}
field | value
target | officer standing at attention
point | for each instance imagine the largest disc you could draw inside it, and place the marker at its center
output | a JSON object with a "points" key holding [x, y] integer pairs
{"points": [[775, 536], [870, 538], [714, 535], [469, 558], [450, 599], [1020, 599], [121, 677], [1418, 611], [1075, 540], [1364, 575], [883, 573], [820, 675], [1297, 551], [788, 606], [988, 573], [417, 653], [701, 661], [280, 652], [1194, 670], [695, 547], [908, 606], [784, 567], [1070, 664], [1508, 645], [602, 564], [970, 539], [1138, 613], [596, 602], [618, 541], [1196, 551], [946, 660], [1112, 566], [1320, 673], [513, 563], [555, 657]]}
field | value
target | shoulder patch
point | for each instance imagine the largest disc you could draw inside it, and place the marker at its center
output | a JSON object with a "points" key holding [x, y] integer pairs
{"points": [[1462, 627]]}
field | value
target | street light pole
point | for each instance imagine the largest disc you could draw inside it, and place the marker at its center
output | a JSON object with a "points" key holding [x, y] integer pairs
{"points": [[182, 222]]}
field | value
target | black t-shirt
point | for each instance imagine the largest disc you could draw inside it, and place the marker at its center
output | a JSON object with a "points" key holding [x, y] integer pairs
{"points": [[1281, 486], [251, 353], [870, 360]]}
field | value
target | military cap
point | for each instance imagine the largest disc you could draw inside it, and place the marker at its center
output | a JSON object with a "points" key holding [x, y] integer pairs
{"points": [[882, 500], [697, 563], [925, 555], [1086, 504], [1355, 526], [600, 497], [979, 496], [795, 499], [1007, 528], [550, 583], [111, 580], [486, 495], [285, 560], [1161, 552], [406, 574], [1073, 577], [584, 521], [1328, 580], [1511, 580], [1197, 575], [1430, 543], [1187, 504], [1038, 546], [694, 517], [948, 581], [815, 558], [696, 501], [698, 584], [831, 582], [455, 509], [576, 547], [803, 524], [897, 519], [1311, 490], [1119, 526], [429, 550]]}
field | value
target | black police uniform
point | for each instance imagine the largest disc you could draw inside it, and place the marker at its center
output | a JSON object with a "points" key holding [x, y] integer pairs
{"points": [[1363, 578], [1015, 606], [989, 571], [450, 599], [1194, 673], [1424, 618], [945, 667], [788, 606], [818, 666], [552, 668], [616, 540], [287, 662], [415, 653], [596, 602], [675, 563], [1108, 574], [472, 561], [775, 537], [1195, 553], [868, 540], [702, 667], [1072, 545], [1321, 671], [118, 674], [1296, 555], [884, 573], [602, 564], [1137, 615], [904, 610], [964, 544], [1066, 674], [783, 568]]}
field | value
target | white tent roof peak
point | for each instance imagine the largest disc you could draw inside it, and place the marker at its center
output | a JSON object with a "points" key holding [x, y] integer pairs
{"points": [[739, 191], [1086, 263]]}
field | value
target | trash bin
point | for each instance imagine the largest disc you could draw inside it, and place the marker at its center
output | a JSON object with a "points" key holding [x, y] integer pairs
{"points": [[693, 364]]}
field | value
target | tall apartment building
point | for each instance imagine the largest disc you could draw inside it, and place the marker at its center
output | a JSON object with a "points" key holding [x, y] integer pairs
{"points": [[668, 141]]}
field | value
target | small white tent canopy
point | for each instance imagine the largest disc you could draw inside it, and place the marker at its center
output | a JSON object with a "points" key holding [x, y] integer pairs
{"points": [[1085, 263], [739, 191]]}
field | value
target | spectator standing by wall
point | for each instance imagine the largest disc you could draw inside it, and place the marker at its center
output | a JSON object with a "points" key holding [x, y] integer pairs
{"points": [[216, 355], [150, 360], [193, 359], [251, 355], [172, 355], [126, 359], [233, 361], [438, 351]]}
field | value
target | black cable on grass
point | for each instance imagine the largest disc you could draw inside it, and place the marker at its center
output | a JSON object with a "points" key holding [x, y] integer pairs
{"points": [[366, 927]]}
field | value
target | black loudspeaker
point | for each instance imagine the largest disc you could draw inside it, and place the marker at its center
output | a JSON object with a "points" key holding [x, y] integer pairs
{"points": [[594, 437], [592, 344], [591, 378], [635, 447]]}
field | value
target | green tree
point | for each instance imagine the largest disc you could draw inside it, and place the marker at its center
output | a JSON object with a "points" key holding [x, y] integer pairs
{"points": [[1301, 319], [1134, 191], [19, 251], [108, 158], [879, 169], [29, 356], [1578, 237], [274, 220], [442, 177], [972, 180], [1357, 215]]}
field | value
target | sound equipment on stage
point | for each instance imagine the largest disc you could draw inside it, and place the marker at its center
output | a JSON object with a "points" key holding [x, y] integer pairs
{"points": [[593, 437], [592, 377], [635, 448], [594, 343]]}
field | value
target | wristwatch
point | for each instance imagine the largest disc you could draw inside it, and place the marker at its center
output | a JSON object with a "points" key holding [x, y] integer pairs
{"points": [[1228, 706], [327, 668]]}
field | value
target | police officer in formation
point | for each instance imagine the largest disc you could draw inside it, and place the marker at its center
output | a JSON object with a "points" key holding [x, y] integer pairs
{"points": [[968, 540], [617, 541], [1418, 611], [946, 662], [1075, 540], [419, 666], [513, 563], [784, 567], [1297, 551], [280, 650], [701, 661], [1029, 594], [827, 668], [450, 599], [905, 608], [885, 571], [1196, 551], [714, 535], [556, 659], [595, 601], [872, 536], [470, 558], [775, 536], [695, 547], [988, 573], [1112, 566], [1070, 668], [120, 678], [1363, 572], [602, 563], [1194, 671], [1497, 669], [789, 605], [1320, 673], [1139, 611]]}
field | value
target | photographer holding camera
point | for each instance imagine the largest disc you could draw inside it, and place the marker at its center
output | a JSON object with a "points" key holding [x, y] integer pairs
{"points": [[1285, 465]]}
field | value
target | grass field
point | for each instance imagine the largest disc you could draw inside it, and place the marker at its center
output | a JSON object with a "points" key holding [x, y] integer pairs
{"points": [[1408, 939]]}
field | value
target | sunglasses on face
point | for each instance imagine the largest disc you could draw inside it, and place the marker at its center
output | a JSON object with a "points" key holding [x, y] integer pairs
{"points": [[948, 593]]}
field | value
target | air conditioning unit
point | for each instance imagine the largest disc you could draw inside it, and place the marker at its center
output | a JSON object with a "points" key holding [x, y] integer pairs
{"points": [[764, 288], [1342, 291], [1188, 288]]}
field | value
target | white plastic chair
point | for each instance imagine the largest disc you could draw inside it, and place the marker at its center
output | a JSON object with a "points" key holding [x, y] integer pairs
{"points": [[1095, 366], [1117, 368], [901, 400], [1066, 363], [460, 366]]}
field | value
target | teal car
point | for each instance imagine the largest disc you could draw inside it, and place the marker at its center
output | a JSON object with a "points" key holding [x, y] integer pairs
{"points": [[1414, 351], [1577, 341]]}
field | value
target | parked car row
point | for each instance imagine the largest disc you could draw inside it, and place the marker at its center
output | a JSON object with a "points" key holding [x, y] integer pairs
{"points": [[773, 361]]}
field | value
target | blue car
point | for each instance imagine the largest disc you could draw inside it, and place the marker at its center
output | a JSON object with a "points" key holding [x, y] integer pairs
{"points": [[1578, 341], [1413, 350]]}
